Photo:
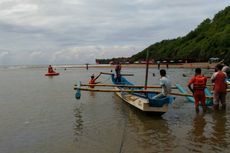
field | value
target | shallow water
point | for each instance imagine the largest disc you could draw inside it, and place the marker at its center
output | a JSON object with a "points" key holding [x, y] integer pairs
{"points": [[39, 114]]}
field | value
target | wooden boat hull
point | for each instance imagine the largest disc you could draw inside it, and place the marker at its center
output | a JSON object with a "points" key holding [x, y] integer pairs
{"points": [[142, 101], [51, 74]]}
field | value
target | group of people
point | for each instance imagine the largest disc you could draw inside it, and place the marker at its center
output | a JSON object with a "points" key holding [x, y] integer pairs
{"points": [[196, 85], [219, 87]]}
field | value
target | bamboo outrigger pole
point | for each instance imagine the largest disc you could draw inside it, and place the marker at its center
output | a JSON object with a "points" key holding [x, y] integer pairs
{"points": [[106, 73], [140, 91], [120, 85]]}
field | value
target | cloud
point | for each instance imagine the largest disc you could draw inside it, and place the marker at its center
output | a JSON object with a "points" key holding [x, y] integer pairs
{"points": [[78, 31]]}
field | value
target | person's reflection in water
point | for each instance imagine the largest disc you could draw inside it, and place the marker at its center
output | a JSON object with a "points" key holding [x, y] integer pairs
{"points": [[218, 138], [199, 123], [196, 137], [92, 94], [78, 125]]}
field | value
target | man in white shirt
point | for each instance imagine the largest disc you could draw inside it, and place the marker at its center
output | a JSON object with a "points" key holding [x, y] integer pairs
{"points": [[165, 83]]}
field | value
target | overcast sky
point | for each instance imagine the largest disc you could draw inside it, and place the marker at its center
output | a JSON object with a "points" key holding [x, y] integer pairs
{"points": [[78, 31]]}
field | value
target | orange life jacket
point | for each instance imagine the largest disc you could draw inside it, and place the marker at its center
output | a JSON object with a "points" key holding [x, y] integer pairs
{"points": [[199, 83]]}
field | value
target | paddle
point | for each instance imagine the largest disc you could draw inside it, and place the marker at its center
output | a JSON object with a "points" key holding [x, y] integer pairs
{"points": [[106, 73]]}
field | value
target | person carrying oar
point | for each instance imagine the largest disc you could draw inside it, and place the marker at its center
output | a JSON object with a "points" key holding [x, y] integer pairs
{"points": [[93, 80], [199, 84]]}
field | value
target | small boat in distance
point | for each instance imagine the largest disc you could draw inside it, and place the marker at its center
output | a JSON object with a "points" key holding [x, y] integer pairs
{"points": [[51, 72]]}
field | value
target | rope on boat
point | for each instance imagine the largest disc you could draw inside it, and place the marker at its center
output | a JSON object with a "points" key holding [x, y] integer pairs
{"points": [[122, 140], [123, 137]]}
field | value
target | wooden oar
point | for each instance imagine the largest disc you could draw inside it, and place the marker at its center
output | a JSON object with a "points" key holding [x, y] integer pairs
{"points": [[128, 86], [141, 91], [106, 73]]}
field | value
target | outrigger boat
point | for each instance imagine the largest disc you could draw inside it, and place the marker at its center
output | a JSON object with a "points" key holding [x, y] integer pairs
{"points": [[142, 100], [136, 96]]}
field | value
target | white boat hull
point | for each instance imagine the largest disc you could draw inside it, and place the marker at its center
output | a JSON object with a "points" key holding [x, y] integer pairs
{"points": [[140, 103]]}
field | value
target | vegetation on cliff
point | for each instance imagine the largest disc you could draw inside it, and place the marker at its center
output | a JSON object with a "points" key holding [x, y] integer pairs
{"points": [[210, 39]]}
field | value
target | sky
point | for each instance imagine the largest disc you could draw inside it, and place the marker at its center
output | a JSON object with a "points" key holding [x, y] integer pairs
{"points": [[79, 31]]}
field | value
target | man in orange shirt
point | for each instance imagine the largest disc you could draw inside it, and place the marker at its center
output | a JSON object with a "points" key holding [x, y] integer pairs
{"points": [[199, 84], [220, 87]]}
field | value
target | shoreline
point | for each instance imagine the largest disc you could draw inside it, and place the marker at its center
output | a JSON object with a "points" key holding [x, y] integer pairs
{"points": [[163, 65]]}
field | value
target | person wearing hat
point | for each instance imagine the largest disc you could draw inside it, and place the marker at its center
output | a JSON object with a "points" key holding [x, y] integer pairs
{"points": [[93, 80]]}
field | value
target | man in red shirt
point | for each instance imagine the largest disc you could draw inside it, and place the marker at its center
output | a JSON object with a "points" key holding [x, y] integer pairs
{"points": [[220, 87], [199, 84], [93, 80]]}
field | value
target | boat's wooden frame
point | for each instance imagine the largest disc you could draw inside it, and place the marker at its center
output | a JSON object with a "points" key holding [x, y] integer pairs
{"points": [[140, 103]]}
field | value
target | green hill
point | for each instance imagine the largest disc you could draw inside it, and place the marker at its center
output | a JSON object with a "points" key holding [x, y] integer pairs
{"points": [[210, 39]]}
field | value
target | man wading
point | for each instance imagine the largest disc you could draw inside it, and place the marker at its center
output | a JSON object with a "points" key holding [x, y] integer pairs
{"points": [[199, 84]]}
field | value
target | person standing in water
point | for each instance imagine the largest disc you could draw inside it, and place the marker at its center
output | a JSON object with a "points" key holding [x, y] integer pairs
{"points": [[199, 84], [220, 87], [93, 80], [118, 72]]}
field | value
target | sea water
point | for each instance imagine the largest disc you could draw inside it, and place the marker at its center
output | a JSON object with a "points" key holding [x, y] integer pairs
{"points": [[39, 114]]}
